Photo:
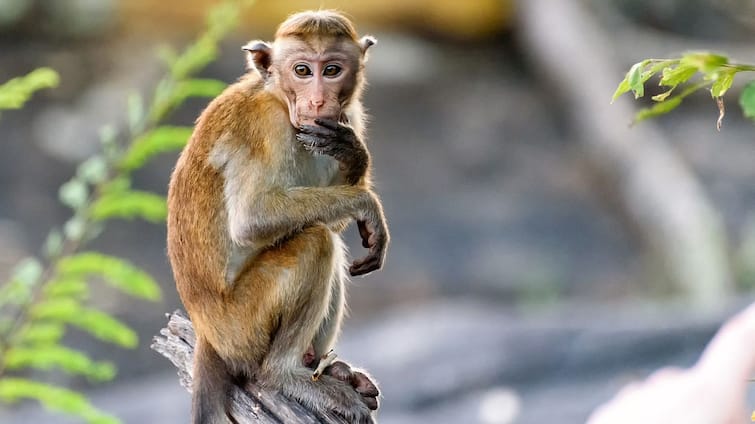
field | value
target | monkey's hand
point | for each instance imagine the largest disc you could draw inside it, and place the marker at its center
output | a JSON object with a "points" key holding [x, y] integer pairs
{"points": [[359, 380], [330, 137], [374, 234]]}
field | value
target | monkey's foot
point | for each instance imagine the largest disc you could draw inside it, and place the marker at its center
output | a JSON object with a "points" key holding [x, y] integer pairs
{"points": [[359, 380], [325, 361]]}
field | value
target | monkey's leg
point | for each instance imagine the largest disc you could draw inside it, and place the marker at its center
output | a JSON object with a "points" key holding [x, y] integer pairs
{"points": [[307, 294], [211, 386]]}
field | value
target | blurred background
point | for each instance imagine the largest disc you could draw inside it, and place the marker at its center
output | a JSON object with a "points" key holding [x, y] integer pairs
{"points": [[544, 252]]}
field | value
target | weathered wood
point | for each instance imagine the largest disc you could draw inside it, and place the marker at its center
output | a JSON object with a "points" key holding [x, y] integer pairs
{"points": [[249, 405]]}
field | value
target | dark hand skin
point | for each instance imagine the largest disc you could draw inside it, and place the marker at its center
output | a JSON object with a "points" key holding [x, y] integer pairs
{"points": [[331, 138], [334, 139]]}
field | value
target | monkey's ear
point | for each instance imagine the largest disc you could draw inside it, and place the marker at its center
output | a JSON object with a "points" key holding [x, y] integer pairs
{"points": [[259, 57], [366, 42]]}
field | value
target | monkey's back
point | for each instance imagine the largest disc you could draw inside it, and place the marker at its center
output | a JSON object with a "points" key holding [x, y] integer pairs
{"points": [[198, 240]]}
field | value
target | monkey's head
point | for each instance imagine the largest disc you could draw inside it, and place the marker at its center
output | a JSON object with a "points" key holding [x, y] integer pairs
{"points": [[315, 64]]}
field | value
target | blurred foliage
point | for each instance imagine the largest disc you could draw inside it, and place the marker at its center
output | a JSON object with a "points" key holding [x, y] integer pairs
{"points": [[691, 72], [49, 294], [16, 92]]}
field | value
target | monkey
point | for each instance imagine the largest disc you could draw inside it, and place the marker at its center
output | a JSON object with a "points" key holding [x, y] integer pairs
{"points": [[275, 169]]}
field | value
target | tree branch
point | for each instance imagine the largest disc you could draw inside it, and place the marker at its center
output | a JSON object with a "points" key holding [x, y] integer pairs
{"points": [[249, 405]]}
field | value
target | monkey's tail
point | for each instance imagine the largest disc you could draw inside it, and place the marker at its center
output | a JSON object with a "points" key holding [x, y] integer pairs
{"points": [[211, 387]]}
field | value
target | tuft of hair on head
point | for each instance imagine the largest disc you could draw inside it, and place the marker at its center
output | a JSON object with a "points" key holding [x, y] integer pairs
{"points": [[317, 22]]}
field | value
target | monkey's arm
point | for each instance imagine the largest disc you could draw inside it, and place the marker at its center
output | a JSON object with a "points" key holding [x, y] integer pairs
{"points": [[274, 214]]}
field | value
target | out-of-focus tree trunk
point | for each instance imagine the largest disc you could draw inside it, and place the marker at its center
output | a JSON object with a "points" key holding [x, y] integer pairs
{"points": [[655, 190]]}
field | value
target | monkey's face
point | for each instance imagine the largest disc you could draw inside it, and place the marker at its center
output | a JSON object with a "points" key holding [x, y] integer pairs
{"points": [[317, 78]]}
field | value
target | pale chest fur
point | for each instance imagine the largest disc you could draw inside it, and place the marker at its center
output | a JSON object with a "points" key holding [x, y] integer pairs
{"points": [[247, 176]]}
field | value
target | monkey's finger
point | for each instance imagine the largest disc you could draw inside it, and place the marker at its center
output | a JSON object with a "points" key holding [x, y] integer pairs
{"points": [[331, 124], [311, 141], [317, 130], [365, 266], [364, 233]]}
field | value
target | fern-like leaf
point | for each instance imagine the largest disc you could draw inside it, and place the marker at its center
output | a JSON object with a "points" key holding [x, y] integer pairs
{"points": [[54, 399], [117, 272], [58, 357], [129, 205], [160, 140]]}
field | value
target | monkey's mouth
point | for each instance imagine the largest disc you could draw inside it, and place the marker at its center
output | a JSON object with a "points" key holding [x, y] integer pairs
{"points": [[310, 120]]}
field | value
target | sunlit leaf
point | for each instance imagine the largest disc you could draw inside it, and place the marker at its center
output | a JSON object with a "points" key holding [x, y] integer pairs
{"points": [[135, 112], [677, 75], [75, 288], [75, 228], [160, 140], [131, 204], [634, 78], [16, 92], [117, 272], [94, 322], [722, 83], [658, 109], [705, 62], [74, 193], [53, 243], [53, 398], [93, 170], [58, 357], [41, 333], [747, 100]]}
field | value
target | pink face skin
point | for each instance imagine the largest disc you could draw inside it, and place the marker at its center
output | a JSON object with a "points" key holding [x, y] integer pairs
{"points": [[317, 81]]}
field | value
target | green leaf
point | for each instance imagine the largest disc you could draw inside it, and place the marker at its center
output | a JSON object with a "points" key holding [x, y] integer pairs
{"points": [[199, 87], [747, 100], [94, 322], [74, 193], [56, 309], [53, 243], [677, 75], [75, 228], [160, 140], [53, 398], [16, 92], [116, 185], [661, 97], [634, 79], [41, 333], [105, 327], [75, 288], [658, 109], [135, 112], [93, 170], [621, 89], [195, 57], [116, 271], [722, 83], [27, 272], [131, 204], [58, 357], [704, 62]]}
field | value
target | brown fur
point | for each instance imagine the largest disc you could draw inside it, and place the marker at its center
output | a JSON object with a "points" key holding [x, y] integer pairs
{"points": [[252, 230]]}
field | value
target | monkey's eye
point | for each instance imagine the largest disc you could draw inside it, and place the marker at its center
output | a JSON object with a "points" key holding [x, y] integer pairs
{"points": [[331, 70], [302, 70]]}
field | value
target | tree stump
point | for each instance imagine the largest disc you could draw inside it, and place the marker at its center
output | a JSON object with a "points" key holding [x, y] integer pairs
{"points": [[249, 404]]}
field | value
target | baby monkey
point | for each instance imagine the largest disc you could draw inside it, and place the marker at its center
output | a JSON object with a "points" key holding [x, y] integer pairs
{"points": [[276, 168]]}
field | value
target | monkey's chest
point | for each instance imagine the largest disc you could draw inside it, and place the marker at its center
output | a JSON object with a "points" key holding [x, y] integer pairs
{"points": [[314, 170]]}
